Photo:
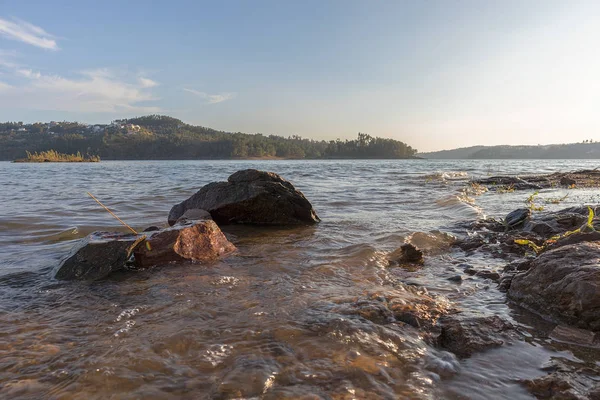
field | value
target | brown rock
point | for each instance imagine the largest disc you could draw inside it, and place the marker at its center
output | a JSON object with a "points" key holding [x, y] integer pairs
{"points": [[568, 334], [193, 241], [406, 254], [563, 284], [468, 336]]}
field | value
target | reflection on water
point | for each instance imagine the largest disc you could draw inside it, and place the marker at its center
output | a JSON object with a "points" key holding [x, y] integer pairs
{"points": [[302, 313]]}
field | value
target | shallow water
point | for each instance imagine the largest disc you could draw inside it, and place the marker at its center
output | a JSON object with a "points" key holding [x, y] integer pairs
{"points": [[277, 320]]}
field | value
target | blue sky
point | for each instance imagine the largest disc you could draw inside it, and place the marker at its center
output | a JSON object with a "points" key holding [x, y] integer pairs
{"points": [[436, 74]]}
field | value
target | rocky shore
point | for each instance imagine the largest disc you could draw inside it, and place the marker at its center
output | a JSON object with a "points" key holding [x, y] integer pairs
{"points": [[551, 268]]}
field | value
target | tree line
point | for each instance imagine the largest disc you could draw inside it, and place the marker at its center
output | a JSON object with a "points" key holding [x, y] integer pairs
{"points": [[163, 137]]}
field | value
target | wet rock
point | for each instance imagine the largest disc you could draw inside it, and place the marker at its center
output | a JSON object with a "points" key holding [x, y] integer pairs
{"points": [[567, 181], [510, 270], [518, 266], [567, 334], [250, 197], [249, 378], [563, 284], [406, 254], [96, 256], [517, 217], [485, 274], [194, 214], [541, 228], [470, 271], [514, 182], [561, 385], [468, 336], [418, 309], [152, 229], [192, 241], [456, 279], [576, 238], [433, 242]]}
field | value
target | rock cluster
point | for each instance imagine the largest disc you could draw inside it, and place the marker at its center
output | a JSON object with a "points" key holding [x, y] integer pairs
{"points": [[249, 196]]}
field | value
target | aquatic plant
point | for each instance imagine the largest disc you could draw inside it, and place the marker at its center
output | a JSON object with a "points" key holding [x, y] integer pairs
{"points": [[531, 202], [587, 227], [55, 156], [556, 200], [506, 189]]}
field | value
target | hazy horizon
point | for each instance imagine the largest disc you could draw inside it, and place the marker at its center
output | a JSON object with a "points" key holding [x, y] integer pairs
{"points": [[435, 75]]}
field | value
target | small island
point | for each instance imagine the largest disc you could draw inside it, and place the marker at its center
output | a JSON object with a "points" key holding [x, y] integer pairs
{"points": [[55, 156]]}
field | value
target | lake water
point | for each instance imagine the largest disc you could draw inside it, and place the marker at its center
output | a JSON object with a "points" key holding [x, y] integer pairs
{"points": [[273, 321]]}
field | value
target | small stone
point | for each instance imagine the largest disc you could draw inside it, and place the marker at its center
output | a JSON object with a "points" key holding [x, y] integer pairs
{"points": [[456, 279], [406, 254], [517, 217], [567, 181], [470, 271], [485, 274], [467, 336]]}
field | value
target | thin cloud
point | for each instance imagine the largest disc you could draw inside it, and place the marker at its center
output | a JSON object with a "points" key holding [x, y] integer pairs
{"points": [[92, 91], [212, 98], [23, 31], [147, 83]]}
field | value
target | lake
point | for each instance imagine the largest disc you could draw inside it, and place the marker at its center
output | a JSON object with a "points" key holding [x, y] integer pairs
{"points": [[276, 320]]}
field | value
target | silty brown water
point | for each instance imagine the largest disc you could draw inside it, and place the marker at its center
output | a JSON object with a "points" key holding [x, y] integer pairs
{"points": [[297, 313]]}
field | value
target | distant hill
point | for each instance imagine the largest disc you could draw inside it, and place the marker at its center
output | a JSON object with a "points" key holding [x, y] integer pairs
{"points": [[159, 137], [455, 154], [553, 151]]}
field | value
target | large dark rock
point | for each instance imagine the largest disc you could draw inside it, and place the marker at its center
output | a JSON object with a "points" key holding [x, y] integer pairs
{"points": [[97, 256], [250, 197], [563, 285], [200, 240]]}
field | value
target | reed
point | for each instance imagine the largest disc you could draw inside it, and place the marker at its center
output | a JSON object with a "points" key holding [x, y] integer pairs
{"points": [[55, 156]]}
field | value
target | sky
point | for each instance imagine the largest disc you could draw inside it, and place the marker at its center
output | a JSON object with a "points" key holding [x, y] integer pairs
{"points": [[434, 74]]}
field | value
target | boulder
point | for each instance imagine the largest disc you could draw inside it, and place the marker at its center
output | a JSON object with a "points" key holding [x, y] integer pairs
{"points": [[563, 285], [250, 197], [200, 240], [468, 336], [96, 256]]}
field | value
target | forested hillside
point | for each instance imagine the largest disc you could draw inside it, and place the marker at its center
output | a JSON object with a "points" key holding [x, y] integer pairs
{"points": [[163, 137]]}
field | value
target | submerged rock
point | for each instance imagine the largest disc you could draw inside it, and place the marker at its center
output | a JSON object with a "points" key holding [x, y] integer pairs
{"points": [[468, 336], [566, 383], [96, 256], [406, 254], [200, 240], [250, 197], [563, 284]]}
